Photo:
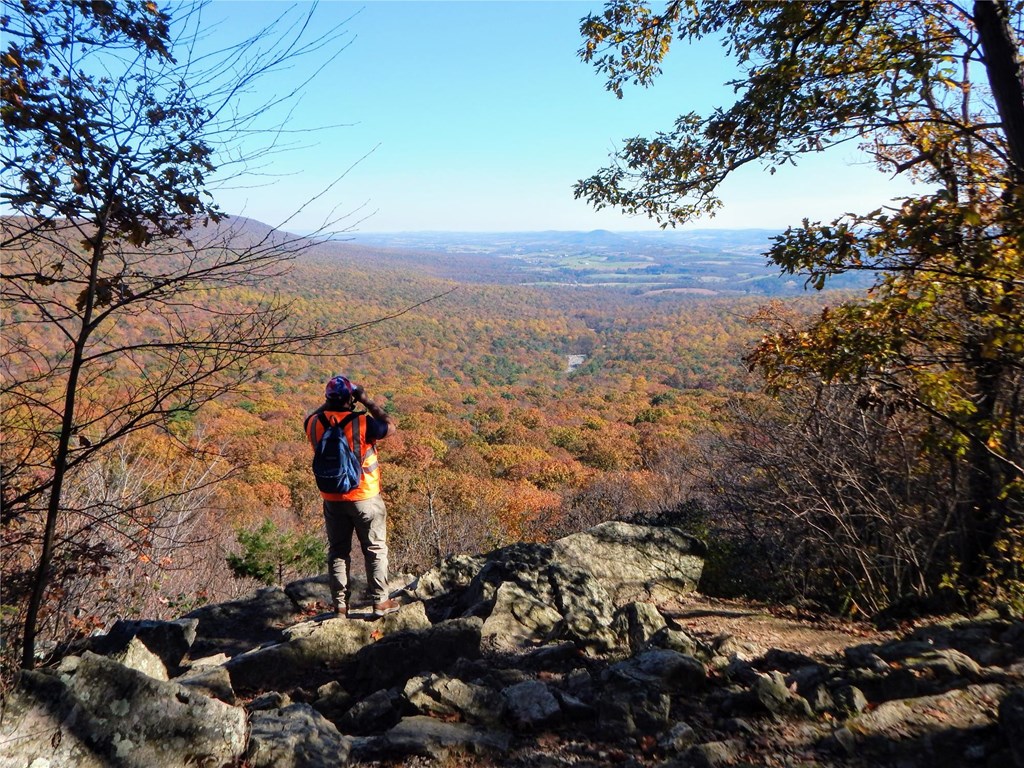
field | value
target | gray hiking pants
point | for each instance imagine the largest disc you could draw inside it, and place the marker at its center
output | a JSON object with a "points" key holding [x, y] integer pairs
{"points": [[368, 518]]}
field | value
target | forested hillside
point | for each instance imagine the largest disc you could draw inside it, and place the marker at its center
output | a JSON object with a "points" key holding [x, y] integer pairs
{"points": [[500, 438]]}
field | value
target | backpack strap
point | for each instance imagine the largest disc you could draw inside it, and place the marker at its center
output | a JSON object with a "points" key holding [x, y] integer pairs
{"points": [[326, 424], [306, 423], [356, 437]]}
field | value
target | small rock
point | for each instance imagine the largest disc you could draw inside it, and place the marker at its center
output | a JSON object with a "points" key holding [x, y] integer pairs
{"points": [[677, 738], [531, 705], [821, 699], [135, 655], [269, 700], [445, 697], [214, 682], [637, 623], [376, 712], [849, 701], [713, 754], [842, 741], [332, 700], [774, 695], [574, 707], [675, 640]]}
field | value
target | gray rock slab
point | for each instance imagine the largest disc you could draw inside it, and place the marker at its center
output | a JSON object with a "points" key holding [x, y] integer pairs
{"points": [[902, 726], [296, 736], [636, 562], [419, 735], [107, 714], [661, 669]]}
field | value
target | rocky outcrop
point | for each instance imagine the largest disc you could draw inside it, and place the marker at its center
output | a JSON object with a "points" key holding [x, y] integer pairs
{"points": [[314, 646], [532, 654], [93, 711], [636, 562]]}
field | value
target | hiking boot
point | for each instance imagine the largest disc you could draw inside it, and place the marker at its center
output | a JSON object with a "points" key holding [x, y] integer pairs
{"points": [[385, 607]]}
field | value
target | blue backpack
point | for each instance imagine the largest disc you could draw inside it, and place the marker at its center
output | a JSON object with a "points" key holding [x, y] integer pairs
{"points": [[337, 466]]}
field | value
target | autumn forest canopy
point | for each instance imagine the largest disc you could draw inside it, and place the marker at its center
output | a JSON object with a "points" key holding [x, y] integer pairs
{"points": [[858, 444]]}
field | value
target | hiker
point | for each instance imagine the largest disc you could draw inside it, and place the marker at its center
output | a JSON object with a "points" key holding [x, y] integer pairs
{"points": [[361, 509]]}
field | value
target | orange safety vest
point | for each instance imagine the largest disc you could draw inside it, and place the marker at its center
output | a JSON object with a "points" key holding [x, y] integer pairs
{"points": [[370, 484]]}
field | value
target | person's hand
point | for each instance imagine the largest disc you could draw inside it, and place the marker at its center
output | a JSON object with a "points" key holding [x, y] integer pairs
{"points": [[358, 393]]}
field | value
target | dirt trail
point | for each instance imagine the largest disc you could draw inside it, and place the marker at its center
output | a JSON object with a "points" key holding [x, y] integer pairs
{"points": [[764, 627]]}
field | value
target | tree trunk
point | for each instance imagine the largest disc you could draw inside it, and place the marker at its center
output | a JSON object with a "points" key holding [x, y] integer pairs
{"points": [[1005, 68], [435, 527], [60, 463], [984, 516]]}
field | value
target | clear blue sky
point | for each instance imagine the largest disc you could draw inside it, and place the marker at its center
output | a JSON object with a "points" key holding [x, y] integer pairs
{"points": [[479, 116]]}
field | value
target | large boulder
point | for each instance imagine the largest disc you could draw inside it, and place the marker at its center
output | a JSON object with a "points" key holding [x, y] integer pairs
{"points": [[314, 645], [296, 736], [237, 626], [533, 570], [636, 693], [636, 562], [397, 657], [100, 713]]}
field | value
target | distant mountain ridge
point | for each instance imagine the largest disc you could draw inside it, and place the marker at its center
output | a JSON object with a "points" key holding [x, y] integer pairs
{"points": [[733, 240], [705, 262]]}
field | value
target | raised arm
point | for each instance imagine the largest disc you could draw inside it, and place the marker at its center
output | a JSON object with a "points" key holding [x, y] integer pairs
{"points": [[374, 410]]}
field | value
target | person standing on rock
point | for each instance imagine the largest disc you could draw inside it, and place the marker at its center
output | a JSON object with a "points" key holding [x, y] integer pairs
{"points": [[361, 509]]}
